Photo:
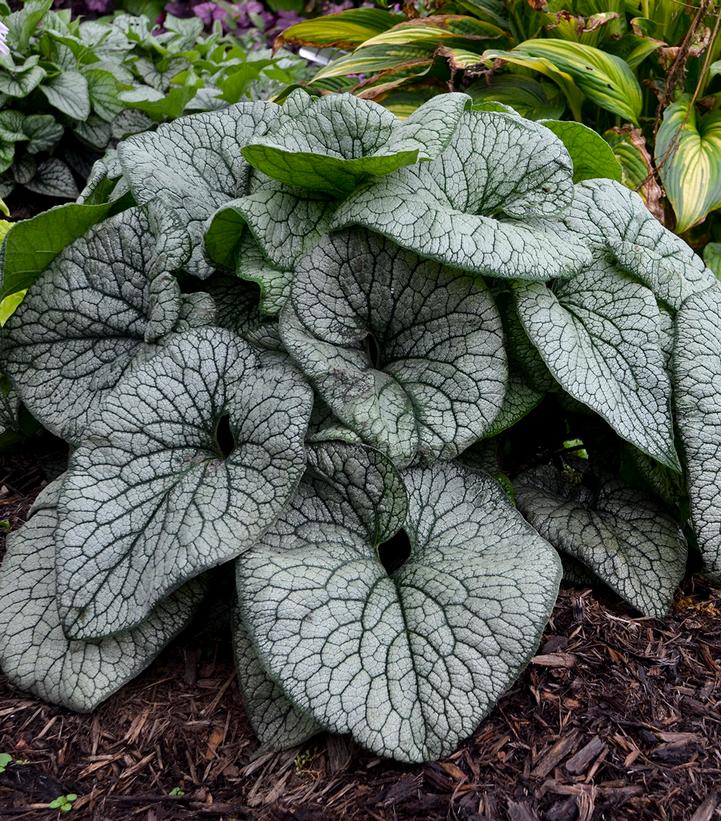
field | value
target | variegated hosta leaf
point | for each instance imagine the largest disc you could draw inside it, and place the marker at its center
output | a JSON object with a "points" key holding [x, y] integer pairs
{"points": [[92, 314], [437, 379], [688, 158], [283, 222], [36, 656], [339, 140], [277, 722], [490, 204], [611, 218], [697, 396], [193, 166], [191, 458], [599, 335], [410, 661], [624, 537]]}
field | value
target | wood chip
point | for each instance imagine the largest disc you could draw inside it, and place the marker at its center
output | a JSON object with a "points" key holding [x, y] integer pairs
{"points": [[580, 762]]}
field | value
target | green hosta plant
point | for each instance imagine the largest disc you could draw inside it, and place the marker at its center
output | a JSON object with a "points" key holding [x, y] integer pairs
{"points": [[386, 374]]}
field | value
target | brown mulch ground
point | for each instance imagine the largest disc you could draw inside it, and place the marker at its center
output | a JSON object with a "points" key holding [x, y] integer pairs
{"points": [[616, 718]]}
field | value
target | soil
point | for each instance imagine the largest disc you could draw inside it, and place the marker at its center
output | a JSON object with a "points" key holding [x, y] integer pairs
{"points": [[617, 717]]}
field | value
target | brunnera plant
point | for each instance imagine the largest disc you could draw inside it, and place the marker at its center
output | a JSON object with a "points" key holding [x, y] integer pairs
{"points": [[388, 375]]}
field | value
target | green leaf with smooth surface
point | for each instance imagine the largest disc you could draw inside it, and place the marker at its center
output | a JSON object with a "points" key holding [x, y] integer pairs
{"points": [[409, 662], [31, 245], [68, 92], [36, 656], [688, 158], [624, 537], [339, 140], [591, 155], [193, 166], [169, 489], [610, 218], [697, 398], [437, 379], [600, 336], [93, 313], [276, 721], [490, 204]]}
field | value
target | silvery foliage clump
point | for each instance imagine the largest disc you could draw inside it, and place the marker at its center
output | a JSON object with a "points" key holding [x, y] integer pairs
{"points": [[303, 354]]}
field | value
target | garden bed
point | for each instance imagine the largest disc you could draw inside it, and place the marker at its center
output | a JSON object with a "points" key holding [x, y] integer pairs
{"points": [[617, 717]]}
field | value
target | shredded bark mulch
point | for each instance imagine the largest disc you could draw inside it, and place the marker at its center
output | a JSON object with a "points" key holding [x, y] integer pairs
{"points": [[617, 717]]}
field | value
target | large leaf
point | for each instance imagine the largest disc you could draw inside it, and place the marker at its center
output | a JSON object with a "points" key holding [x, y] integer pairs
{"points": [[604, 78], [93, 313], [490, 204], [600, 336], [346, 29], [697, 396], [436, 379], [277, 722], [36, 656], [190, 459], [688, 158], [192, 167], [339, 140], [409, 658], [613, 219], [625, 538], [591, 155]]}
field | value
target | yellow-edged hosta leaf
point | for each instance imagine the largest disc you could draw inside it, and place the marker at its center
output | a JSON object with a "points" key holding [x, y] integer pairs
{"points": [[437, 29], [412, 58], [603, 78], [562, 79], [688, 157], [460, 58], [346, 29]]}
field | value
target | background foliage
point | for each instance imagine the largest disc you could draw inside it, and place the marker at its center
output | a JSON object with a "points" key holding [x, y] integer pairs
{"points": [[643, 73], [71, 88]]}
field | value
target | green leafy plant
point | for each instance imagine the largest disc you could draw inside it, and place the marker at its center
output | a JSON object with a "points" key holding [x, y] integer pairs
{"points": [[5, 760], [63, 803], [70, 88], [324, 349], [644, 73]]}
